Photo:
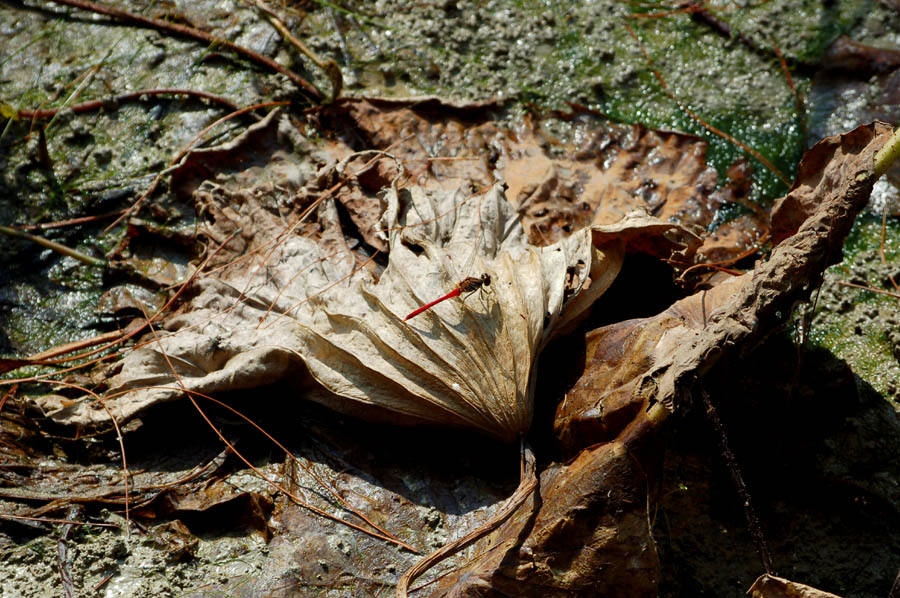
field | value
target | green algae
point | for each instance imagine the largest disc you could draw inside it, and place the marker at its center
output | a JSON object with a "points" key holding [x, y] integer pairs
{"points": [[603, 55], [861, 326]]}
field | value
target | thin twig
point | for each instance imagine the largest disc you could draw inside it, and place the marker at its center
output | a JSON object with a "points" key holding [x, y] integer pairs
{"points": [[308, 88], [70, 222], [718, 265], [12, 390], [330, 67], [662, 82], [895, 589], [125, 97], [62, 553], [58, 521], [103, 582], [870, 289], [528, 482], [798, 100], [740, 486], [57, 247]]}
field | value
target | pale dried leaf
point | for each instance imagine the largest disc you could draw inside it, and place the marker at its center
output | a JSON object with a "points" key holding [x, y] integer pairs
{"points": [[769, 586], [465, 364], [288, 298], [643, 233]]}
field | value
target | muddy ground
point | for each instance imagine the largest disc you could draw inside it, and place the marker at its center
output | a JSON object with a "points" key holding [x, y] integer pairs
{"points": [[811, 415]]}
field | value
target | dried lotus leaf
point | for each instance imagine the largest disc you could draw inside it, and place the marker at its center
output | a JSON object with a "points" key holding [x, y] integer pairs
{"points": [[466, 363]]}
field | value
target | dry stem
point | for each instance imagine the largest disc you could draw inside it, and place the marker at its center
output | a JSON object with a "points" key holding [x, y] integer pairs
{"points": [[185, 31], [527, 484]]}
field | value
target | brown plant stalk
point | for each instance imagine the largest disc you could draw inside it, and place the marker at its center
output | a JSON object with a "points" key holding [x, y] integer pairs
{"points": [[190, 32]]}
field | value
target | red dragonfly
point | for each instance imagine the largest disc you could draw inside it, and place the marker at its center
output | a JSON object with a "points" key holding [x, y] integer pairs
{"points": [[467, 285]]}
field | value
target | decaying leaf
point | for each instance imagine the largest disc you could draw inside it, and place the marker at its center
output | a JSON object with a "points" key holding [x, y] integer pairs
{"points": [[557, 186], [631, 364], [834, 182], [837, 166], [459, 364], [286, 298], [176, 539], [618, 170], [647, 234], [206, 507], [606, 421], [769, 586], [283, 305], [605, 399], [586, 534]]}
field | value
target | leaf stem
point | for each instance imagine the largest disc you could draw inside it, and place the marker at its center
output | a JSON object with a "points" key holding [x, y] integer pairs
{"points": [[126, 97], [57, 247], [887, 154], [190, 32], [330, 67], [527, 484]]}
